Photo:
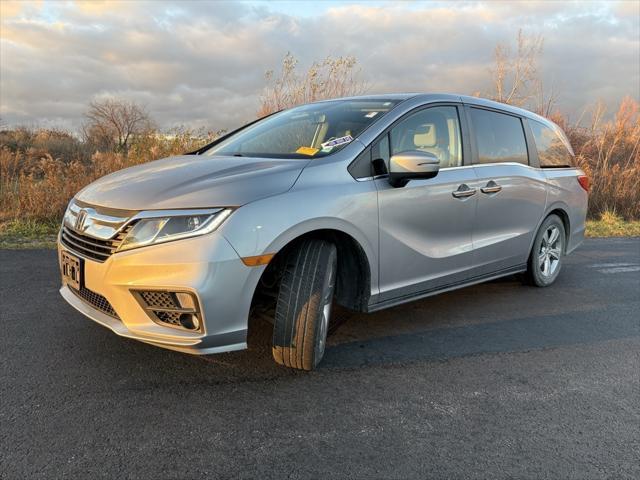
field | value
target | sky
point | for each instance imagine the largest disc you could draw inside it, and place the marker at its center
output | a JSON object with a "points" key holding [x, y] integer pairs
{"points": [[201, 64]]}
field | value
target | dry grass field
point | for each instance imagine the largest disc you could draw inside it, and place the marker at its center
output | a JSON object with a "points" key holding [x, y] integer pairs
{"points": [[40, 170]]}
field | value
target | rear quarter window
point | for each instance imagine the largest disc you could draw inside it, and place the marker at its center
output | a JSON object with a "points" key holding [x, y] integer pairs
{"points": [[553, 149]]}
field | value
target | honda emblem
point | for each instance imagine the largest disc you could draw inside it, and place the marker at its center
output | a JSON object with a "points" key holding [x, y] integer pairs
{"points": [[80, 218]]}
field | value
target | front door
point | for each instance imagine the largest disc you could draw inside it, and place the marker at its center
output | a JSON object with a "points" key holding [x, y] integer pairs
{"points": [[426, 226]]}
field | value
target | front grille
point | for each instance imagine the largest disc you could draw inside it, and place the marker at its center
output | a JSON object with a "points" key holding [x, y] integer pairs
{"points": [[90, 247], [96, 300]]}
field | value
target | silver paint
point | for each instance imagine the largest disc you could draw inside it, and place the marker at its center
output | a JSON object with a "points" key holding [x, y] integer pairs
{"points": [[417, 239]]}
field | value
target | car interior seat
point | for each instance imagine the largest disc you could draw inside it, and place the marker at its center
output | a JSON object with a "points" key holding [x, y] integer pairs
{"points": [[432, 136]]}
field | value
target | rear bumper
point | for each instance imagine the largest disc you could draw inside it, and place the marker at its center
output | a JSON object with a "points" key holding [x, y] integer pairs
{"points": [[206, 266]]}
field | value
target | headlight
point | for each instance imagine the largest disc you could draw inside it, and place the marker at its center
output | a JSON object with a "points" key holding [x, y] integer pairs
{"points": [[159, 227]]}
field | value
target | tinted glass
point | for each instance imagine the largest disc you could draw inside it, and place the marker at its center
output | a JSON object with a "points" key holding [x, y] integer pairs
{"points": [[314, 130], [380, 156], [552, 150], [381, 150], [435, 130], [500, 137]]}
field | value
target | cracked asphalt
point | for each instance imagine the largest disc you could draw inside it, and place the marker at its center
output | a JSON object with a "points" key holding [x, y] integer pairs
{"points": [[494, 381]]}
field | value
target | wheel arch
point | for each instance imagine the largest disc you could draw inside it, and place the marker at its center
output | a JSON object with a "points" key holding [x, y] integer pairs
{"points": [[561, 210], [353, 283], [566, 222]]}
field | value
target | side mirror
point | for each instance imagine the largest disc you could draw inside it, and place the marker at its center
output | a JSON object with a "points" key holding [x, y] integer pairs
{"points": [[412, 164]]}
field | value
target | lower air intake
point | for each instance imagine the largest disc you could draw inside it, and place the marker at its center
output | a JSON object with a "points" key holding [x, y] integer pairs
{"points": [[96, 300], [171, 309]]}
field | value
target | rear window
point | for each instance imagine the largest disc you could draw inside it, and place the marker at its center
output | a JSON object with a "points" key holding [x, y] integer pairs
{"points": [[500, 137], [553, 149]]}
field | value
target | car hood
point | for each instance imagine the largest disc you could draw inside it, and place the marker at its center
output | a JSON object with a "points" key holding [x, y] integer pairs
{"points": [[193, 181]]}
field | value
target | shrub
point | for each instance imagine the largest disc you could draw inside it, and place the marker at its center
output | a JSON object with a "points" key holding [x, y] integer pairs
{"points": [[35, 185], [609, 152], [40, 170]]}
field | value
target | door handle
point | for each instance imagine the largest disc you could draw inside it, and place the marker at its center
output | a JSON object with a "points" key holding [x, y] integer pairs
{"points": [[491, 187], [463, 191]]}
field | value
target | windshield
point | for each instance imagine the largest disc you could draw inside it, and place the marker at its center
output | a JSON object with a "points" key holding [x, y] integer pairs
{"points": [[314, 130]]}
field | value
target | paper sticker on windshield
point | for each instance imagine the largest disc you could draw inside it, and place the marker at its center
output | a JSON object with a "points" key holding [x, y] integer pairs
{"points": [[337, 141], [371, 114], [307, 151]]}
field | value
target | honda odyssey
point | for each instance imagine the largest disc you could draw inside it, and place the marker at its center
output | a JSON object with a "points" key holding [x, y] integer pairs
{"points": [[365, 202]]}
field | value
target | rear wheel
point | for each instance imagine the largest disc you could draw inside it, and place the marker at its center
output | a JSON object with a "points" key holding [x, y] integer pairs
{"points": [[303, 306], [545, 260]]}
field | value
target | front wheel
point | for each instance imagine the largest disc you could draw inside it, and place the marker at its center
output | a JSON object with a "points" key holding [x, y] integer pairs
{"points": [[303, 306], [545, 260]]}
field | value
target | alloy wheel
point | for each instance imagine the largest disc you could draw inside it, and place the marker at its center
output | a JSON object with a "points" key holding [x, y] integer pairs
{"points": [[326, 311], [550, 251]]}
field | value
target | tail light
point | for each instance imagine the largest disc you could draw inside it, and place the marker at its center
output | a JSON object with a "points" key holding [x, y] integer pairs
{"points": [[583, 180]]}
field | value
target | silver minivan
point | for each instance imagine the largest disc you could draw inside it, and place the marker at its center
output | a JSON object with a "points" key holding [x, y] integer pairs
{"points": [[365, 202]]}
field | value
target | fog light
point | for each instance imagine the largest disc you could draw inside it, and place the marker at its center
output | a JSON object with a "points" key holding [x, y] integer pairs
{"points": [[189, 321]]}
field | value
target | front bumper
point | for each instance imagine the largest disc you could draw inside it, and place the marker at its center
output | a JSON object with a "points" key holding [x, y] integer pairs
{"points": [[206, 266]]}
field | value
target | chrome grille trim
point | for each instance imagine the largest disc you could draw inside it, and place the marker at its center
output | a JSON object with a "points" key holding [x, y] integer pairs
{"points": [[95, 221], [101, 257], [89, 247], [100, 244]]}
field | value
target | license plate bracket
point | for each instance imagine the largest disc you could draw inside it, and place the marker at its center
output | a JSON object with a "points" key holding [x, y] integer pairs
{"points": [[71, 267]]}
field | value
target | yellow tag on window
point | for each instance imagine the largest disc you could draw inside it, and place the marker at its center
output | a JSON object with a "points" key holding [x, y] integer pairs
{"points": [[307, 151]]}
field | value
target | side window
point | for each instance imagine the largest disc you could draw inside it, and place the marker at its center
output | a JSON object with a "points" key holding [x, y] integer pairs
{"points": [[380, 156], [500, 137], [383, 146], [361, 166], [435, 130], [552, 150]]}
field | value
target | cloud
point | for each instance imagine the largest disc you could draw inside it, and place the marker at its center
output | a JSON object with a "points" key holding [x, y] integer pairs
{"points": [[202, 63]]}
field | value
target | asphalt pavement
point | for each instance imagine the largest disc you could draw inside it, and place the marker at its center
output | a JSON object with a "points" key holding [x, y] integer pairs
{"points": [[498, 380]]}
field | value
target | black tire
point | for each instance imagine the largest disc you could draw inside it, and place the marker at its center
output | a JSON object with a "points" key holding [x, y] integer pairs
{"points": [[543, 249], [301, 319]]}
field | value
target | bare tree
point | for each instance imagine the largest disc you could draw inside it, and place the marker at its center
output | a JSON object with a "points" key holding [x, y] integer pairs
{"points": [[545, 102], [515, 75], [330, 78], [112, 123]]}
